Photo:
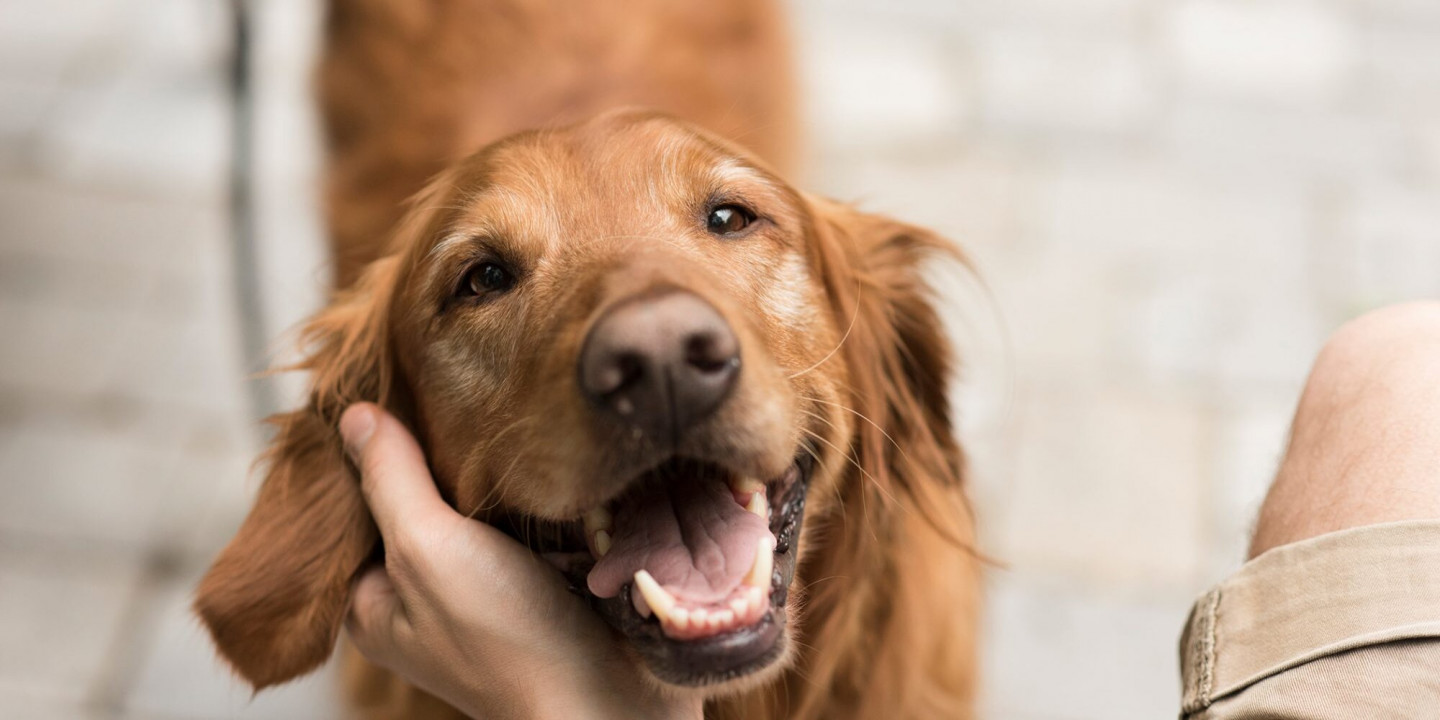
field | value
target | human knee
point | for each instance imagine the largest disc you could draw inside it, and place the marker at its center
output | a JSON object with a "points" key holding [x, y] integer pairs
{"points": [[1376, 381], [1366, 438], [1390, 346]]}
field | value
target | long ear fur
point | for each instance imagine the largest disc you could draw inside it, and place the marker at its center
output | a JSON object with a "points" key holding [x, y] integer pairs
{"points": [[276, 596], [894, 632]]}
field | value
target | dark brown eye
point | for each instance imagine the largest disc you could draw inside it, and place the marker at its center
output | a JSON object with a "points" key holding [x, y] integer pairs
{"points": [[485, 279], [729, 219]]}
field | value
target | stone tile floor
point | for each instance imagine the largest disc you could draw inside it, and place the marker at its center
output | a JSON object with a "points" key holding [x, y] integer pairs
{"points": [[1171, 203]]}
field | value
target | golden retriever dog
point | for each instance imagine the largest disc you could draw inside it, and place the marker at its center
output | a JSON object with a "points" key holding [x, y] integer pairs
{"points": [[716, 403]]}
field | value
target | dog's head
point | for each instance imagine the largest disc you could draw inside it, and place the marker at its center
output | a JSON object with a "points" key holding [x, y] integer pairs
{"points": [[640, 352]]}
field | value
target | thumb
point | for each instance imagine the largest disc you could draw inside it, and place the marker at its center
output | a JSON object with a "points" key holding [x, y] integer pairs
{"points": [[394, 477]]}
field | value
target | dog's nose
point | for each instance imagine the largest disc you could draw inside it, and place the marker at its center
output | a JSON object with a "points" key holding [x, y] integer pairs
{"points": [[661, 363]]}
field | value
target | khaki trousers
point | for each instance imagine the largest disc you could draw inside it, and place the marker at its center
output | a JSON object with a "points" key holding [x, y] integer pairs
{"points": [[1343, 626]]}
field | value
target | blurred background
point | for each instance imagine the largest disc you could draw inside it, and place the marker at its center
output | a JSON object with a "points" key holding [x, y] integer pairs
{"points": [[1172, 203]]}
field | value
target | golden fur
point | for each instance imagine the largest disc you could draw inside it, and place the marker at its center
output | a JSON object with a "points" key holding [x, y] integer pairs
{"points": [[841, 342], [408, 87]]}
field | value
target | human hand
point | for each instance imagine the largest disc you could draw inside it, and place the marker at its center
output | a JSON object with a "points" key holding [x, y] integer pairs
{"points": [[469, 615]]}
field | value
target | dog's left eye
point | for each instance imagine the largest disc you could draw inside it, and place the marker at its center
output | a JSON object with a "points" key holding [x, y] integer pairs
{"points": [[729, 219], [486, 278]]}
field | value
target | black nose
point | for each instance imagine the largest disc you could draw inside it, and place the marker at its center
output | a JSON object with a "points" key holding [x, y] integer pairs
{"points": [[660, 363]]}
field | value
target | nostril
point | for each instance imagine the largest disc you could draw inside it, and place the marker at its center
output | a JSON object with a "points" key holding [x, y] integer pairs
{"points": [[709, 353], [629, 369], [616, 373], [659, 363]]}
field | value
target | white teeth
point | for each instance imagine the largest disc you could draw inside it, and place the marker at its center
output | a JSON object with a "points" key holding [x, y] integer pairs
{"points": [[598, 524], [759, 506], [661, 602], [642, 607], [746, 485], [759, 575], [686, 621], [723, 618], [598, 519]]}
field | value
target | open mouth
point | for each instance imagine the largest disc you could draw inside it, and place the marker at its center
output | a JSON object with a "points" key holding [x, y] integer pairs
{"points": [[693, 564]]}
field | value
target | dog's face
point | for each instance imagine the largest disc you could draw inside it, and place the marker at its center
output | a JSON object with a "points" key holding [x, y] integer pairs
{"points": [[641, 353], [616, 330]]}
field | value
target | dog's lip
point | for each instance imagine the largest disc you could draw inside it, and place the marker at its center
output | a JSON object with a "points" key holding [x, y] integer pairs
{"points": [[737, 652]]}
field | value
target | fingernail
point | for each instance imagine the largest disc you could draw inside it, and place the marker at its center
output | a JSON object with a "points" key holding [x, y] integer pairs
{"points": [[356, 427]]}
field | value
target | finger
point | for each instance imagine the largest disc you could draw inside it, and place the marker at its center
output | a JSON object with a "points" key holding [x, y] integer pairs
{"points": [[375, 615], [394, 478]]}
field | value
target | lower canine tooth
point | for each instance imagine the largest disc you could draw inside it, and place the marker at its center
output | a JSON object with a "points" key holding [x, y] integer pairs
{"points": [[661, 602], [759, 575], [637, 600]]}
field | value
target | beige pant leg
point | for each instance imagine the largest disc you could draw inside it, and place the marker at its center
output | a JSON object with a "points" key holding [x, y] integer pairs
{"points": [[1344, 625]]}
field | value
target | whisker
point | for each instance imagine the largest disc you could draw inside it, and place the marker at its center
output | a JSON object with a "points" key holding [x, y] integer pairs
{"points": [[503, 479], [864, 500], [859, 467], [859, 285], [862, 416], [844, 512], [810, 586]]}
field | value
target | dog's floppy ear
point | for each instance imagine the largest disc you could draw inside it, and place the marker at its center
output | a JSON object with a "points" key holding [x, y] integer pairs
{"points": [[898, 357], [906, 538], [275, 598]]}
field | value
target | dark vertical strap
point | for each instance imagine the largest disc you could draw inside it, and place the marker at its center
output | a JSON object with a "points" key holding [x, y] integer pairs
{"points": [[244, 253]]}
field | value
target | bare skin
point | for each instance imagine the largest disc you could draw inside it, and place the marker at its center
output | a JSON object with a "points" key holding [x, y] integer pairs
{"points": [[1365, 443], [471, 616]]}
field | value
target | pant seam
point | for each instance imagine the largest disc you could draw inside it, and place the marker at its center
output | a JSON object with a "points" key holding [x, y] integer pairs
{"points": [[1201, 685], [1206, 648]]}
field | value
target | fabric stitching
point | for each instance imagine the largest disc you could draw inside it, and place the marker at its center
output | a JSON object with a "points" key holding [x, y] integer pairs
{"points": [[1200, 649], [1206, 678]]}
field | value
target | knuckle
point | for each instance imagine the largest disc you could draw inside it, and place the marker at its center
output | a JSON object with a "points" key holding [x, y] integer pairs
{"points": [[408, 555]]}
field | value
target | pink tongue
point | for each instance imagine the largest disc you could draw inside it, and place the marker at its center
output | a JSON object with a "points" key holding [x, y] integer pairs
{"points": [[692, 537]]}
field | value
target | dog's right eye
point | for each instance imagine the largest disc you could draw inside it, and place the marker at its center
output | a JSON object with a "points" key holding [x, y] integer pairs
{"points": [[729, 219], [487, 278]]}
